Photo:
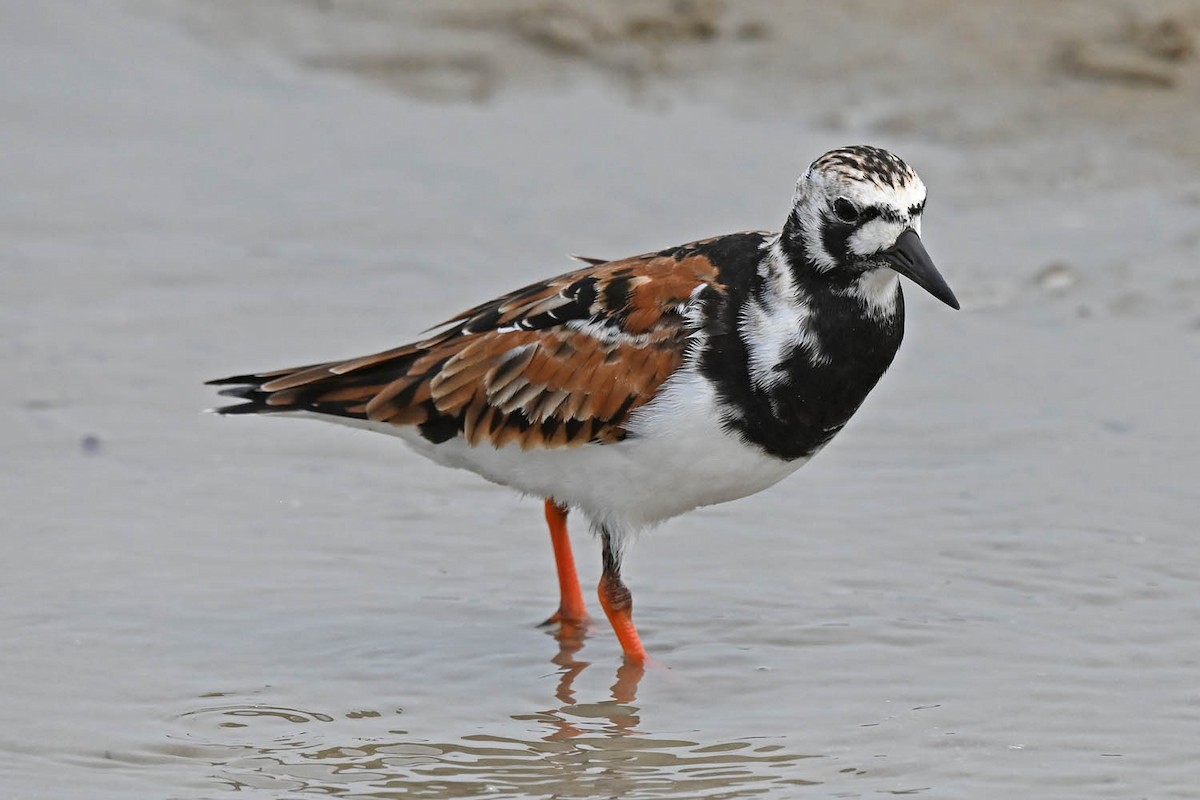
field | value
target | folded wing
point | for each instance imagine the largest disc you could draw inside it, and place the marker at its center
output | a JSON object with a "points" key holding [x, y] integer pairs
{"points": [[559, 363]]}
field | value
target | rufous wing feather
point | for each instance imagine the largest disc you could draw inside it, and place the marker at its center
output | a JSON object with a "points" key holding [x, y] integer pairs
{"points": [[559, 363]]}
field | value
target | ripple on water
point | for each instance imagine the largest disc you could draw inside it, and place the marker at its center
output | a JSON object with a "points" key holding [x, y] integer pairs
{"points": [[576, 750]]}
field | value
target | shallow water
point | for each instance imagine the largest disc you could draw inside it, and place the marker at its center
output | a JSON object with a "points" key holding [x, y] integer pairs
{"points": [[986, 587]]}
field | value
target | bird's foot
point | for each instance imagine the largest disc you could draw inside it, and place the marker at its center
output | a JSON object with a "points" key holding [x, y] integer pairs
{"points": [[566, 618]]}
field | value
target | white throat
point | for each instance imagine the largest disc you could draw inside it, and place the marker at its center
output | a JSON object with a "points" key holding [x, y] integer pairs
{"points": [[878, 290]]}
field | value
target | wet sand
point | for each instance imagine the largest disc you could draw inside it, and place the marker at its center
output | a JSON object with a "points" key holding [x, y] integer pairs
{"points": [[985, 587]]}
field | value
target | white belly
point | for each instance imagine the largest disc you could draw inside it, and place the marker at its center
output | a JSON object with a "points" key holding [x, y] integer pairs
{"points": [[677, 458]]}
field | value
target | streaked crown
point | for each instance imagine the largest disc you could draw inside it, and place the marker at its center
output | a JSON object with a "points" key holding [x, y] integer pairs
{"points": [[866, 164]]}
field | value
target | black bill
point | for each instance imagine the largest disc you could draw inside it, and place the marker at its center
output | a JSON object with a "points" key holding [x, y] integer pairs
{"points": [[909, 257]]}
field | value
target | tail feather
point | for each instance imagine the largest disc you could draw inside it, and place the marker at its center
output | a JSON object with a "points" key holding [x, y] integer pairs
{"points": [[330, 388], [245, 408], [243, 387]]}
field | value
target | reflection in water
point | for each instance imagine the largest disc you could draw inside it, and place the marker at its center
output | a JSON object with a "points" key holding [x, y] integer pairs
{"points": [[571, 639], [576, 750]]}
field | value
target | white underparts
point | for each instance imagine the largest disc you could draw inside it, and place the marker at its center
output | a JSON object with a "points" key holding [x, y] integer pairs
{"points": [[677, 457]]}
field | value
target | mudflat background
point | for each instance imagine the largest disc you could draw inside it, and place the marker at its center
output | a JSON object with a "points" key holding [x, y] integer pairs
{"points": [[987, 587]]}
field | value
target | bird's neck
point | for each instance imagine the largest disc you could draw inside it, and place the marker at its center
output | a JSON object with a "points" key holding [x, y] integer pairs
{"points": [[794, 297]]}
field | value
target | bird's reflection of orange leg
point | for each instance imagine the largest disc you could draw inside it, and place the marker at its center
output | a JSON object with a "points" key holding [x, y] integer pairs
{"points": [[629, 675], [570, 641], [571, 609], [623, 718]]}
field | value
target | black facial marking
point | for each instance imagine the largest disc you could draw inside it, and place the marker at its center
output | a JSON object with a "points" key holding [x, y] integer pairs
{"points": [[836, 239], [890, 215]]}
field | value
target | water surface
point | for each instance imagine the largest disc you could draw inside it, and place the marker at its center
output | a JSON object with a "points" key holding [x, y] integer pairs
{"points": [[986, 587]]}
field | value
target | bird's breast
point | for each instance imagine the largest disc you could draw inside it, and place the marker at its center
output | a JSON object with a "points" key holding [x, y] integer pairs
{"points": [[792, 374]]}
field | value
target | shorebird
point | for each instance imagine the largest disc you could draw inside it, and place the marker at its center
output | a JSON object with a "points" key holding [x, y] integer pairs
{"points": [[636, 390]]}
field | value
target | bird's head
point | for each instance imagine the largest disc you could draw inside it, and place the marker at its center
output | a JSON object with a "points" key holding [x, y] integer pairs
{"points": [[856, 211]]}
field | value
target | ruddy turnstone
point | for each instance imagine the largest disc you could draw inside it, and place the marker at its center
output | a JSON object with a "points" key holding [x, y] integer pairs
{"points": [[638, 389]]}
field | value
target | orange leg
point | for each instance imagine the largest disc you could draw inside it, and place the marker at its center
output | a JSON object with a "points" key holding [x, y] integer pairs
{"points": [[571, 609], [618, 604]]}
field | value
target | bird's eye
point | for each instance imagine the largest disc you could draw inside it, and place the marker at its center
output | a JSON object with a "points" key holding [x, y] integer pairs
{"points": [[845, 210]]}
